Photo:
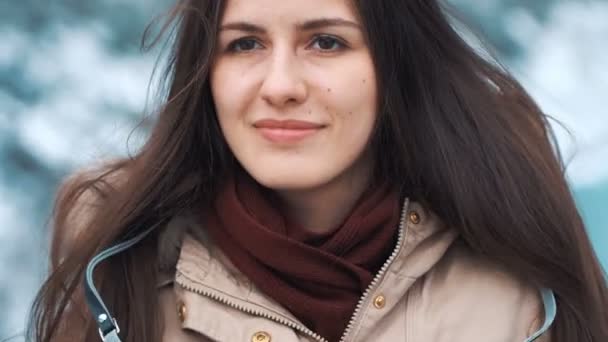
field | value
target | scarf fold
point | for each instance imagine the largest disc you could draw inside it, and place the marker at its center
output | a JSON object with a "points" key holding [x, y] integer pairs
{"points": [[318, 278]]}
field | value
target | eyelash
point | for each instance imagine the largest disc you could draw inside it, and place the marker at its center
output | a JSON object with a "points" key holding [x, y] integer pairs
{"points": [[341, 45]]}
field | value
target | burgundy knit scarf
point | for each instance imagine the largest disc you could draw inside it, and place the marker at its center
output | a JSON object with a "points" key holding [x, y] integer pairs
{"points": [[317, 278]]}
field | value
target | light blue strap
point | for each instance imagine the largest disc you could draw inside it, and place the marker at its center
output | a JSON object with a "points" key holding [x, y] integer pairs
{"points": [[550, 312]]}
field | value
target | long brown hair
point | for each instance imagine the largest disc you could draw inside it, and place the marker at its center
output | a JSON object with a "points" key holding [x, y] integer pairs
{"points": [[463, 136]]}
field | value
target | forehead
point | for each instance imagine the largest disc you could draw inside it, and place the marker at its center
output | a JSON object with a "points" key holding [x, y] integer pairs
{"points": [[287, 11]]}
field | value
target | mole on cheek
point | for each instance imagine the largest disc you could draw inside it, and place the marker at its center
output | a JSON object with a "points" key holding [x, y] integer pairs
{"points": [[329, 90], [364, 80]]}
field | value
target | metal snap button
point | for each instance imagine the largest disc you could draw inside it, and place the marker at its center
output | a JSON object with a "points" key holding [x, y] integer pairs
{"points": [[379, 302], [414, 217], [261, 336], [181, 311]]}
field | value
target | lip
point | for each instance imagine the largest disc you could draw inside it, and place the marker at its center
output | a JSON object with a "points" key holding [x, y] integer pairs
{"points": [[286, 131]]}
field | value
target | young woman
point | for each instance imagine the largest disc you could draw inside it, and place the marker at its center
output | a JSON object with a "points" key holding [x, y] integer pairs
{"points": [[327, 170]]}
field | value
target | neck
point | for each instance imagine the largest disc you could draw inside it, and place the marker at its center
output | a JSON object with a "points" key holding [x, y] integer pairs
{"points": [[322, 209]]}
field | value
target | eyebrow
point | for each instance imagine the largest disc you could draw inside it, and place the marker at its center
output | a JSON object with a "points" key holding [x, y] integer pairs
{"points": [[304, 26]]}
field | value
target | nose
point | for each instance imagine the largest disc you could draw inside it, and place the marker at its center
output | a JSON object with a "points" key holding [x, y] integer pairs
{"points": [[283, 84]]}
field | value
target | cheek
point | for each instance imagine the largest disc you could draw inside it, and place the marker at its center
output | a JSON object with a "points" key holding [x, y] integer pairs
{"points": [[353, 86], [354, 97], [219, 82], [359, 114], [226, 87], [224, 90]]}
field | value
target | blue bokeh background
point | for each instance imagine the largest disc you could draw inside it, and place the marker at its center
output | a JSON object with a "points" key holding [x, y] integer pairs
{"points": [[73, 85]]}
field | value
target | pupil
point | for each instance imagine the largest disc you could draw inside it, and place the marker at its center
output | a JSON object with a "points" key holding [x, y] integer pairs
{"points": [[247, 45], [326, 43]]}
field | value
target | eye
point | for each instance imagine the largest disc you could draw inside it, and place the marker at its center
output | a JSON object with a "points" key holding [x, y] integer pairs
{"points": [[327, 43], [243, 45]]}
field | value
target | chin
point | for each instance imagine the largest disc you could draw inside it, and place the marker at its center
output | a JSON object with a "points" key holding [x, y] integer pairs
{"points": [[290, 178]]}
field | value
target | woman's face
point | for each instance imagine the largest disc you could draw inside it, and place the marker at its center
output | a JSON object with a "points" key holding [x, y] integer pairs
{"points": [[295, 91]]}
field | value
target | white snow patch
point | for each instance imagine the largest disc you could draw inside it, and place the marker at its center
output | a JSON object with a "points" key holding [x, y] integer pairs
{"points": [[566, 71]]}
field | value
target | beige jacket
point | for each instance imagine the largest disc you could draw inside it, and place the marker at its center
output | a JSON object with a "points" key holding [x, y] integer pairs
{"points": [[431, 289]]}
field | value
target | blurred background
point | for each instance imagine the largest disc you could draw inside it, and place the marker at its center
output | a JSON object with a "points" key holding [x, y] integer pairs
{"points": [[73, 85]]}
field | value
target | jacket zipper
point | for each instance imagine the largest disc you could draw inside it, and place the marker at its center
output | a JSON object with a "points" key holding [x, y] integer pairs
{"points": [[372, 286], [299, 327], [260, 313]]}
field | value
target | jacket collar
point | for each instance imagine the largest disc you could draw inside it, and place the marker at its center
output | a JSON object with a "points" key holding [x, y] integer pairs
{"points": [[196, 259]]}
